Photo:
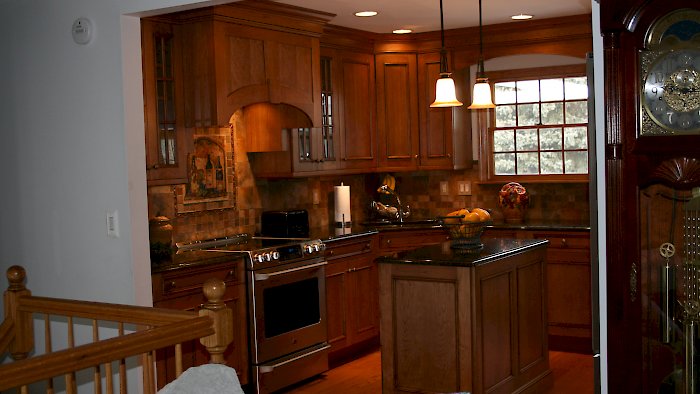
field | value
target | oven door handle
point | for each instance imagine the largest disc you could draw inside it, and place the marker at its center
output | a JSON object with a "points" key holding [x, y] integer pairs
{"points": [[270, 368], [259, 277]]}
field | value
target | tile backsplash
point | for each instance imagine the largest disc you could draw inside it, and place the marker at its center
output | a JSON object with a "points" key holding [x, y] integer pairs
{"points": [[420, 190]]}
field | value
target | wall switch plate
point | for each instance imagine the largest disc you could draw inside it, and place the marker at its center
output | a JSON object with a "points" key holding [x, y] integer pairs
{"points": [[464, 188], [444, 189]]}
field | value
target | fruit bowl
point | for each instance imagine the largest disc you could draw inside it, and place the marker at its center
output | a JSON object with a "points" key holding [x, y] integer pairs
{"points": [[465, 227]]}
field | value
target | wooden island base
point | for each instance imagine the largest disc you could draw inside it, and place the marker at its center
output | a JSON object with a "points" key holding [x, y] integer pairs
{"points": [[465, 323]]}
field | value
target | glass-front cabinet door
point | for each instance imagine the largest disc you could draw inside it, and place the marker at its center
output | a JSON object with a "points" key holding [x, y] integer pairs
{"points": [[669, 288]]}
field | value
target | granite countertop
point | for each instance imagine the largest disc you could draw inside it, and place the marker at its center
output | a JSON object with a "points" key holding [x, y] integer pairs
{"points": [[444, 255], [543, 225], [194, 258]]}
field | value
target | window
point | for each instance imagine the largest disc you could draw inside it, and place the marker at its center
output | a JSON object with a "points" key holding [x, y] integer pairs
{"points": [[539, 128]]}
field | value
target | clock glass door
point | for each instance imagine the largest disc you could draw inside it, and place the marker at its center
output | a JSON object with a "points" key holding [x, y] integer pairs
{"points": [[669, 288]]}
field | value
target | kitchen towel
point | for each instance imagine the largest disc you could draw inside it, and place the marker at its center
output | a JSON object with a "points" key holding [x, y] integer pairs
{"points": [[342, 206]]}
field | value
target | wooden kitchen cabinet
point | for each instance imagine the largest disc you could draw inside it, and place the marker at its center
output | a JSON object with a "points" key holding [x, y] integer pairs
{"points": [[250, 52], [351, 297], [351, 82], [397, 115], [391, 241], [568, 285], [182, 289], [445, 133], [164, 125]]}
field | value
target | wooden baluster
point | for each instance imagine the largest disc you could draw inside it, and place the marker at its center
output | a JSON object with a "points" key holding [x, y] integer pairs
{"points": [[48, 348], [178, 359], [222, 316], [122, 366], [71, 387], [147, 368], [23, 341], [96, 369], [109, 381]]}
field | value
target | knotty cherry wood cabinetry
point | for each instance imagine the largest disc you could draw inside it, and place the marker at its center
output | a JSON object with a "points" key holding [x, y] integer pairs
{"points": [[469, 322], [181, 288], [568, 285], [351, 296], [398, 239]]}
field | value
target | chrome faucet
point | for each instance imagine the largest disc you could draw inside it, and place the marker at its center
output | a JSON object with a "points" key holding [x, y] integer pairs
{"points": [[397, 213]]}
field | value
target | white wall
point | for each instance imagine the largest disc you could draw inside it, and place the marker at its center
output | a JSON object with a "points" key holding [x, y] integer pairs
{"points": [[72, 149]]}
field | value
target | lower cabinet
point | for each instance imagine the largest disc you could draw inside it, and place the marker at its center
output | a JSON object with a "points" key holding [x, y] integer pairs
{"points": [[182, 289], [351, 297], [391, 241], [568, 261]]}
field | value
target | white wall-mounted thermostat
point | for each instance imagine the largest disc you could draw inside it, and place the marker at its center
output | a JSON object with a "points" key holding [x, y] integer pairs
{"points": [[82, 31]]}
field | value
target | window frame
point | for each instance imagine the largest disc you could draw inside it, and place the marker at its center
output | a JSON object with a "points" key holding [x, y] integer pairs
{"points": [[486, 121]]}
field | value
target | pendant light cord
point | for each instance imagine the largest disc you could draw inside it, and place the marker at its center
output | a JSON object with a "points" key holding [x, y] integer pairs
{"points": [[480, 67], [443, 53]]}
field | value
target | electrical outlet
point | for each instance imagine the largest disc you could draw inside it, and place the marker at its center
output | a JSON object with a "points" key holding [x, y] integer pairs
{"points": [[464, 188], [444, 189]]}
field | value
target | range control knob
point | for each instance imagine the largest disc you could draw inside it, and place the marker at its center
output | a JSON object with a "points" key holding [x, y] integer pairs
{"points": [[275, 255], [259, 258], [309, 248]]}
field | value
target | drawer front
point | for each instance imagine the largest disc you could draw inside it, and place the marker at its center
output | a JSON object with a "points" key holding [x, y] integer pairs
{"points": [[400, 240], [566, 241], [185, 281], [339, 249]]}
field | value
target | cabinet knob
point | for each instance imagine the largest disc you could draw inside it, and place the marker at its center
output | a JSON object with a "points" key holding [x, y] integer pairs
{"points": [[416, 156], [231, 274], [388, 242], [330, 253], [563, 241], [368, 246], [449, 156], [169, 285]]}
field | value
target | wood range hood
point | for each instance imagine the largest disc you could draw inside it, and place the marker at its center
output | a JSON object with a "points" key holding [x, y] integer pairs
{"points": [[266, 125], [254, 64]]}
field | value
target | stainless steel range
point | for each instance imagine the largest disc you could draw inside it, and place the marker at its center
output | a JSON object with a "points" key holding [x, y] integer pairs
{"points": [[286, 306]]}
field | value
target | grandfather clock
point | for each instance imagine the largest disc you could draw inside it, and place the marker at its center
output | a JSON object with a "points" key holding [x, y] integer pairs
{"points": [[652, 164]]}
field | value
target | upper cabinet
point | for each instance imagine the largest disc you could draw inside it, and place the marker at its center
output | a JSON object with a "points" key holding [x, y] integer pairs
{"points": [[165, 131], [250, 52], [351, 109], [412, 135], [397, 115]]}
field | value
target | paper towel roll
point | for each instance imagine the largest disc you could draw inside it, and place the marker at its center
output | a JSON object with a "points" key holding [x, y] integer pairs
{"points": [[342, 205]]}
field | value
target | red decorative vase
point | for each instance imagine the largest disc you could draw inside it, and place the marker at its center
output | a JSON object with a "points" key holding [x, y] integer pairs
{"points": [[513, 200]]}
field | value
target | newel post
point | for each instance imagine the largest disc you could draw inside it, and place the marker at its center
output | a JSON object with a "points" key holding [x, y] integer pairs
{"points": [[222, 316], [23, 341]]}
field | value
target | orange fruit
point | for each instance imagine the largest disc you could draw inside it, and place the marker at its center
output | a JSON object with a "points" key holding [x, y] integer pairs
{"points": [[484, 215], [471, 217]]}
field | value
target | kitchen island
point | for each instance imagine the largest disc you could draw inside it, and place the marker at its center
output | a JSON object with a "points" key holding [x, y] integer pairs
{"points": [[455, 320]]}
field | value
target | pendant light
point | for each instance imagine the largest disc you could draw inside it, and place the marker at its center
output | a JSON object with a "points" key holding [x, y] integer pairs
{"points": [[445, 95], [481, 98]]}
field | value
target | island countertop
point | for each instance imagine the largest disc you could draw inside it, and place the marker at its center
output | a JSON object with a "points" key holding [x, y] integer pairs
{"points": [[445, 255]]}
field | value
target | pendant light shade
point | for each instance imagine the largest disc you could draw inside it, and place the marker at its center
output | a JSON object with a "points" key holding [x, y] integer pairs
{"points": [[481, 97], [445, 95]]}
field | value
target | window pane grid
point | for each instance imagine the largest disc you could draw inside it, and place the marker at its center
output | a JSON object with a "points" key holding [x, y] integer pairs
{"points": [[165, 100], [546, 120]]}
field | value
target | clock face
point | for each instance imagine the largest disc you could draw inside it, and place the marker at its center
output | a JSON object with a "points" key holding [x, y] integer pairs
{"points": [[671, 93]]}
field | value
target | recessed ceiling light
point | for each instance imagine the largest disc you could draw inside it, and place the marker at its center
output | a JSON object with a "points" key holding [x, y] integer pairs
{"points": [[402, 31], [521, 17], [366, 13]]}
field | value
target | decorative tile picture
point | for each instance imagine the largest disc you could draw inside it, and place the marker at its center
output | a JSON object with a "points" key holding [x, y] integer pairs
{"points": [[206, 172]]}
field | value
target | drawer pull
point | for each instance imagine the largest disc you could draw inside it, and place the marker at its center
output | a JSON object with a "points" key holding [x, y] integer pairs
{"points": [[169, 286]]}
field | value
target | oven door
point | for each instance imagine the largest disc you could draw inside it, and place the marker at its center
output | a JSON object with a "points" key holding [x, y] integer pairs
{"points": [[288, 309]]}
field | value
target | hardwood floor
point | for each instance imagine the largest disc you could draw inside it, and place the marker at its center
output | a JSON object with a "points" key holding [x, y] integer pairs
{"points": [[573, 374]]}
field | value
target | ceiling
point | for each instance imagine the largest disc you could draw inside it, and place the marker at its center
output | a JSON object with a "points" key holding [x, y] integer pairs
{"points": [[424, 15]]}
